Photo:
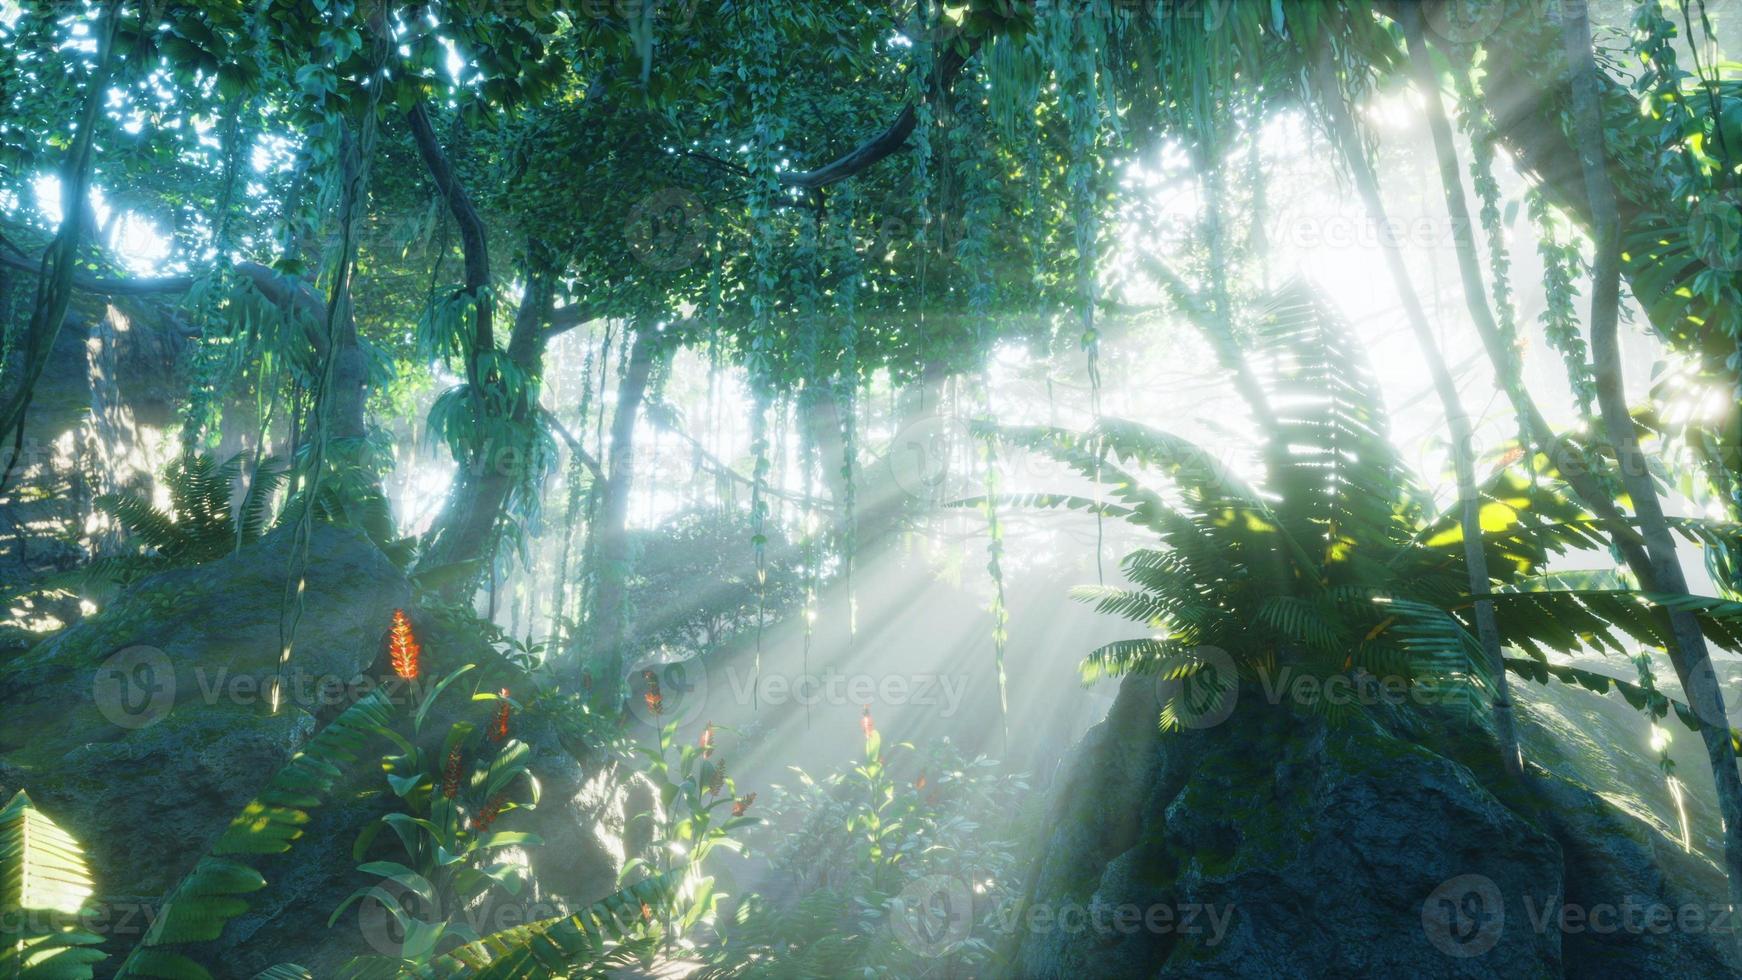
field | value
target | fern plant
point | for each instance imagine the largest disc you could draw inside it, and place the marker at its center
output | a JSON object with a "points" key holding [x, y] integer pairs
{"points": [[1337, 567], [44, 887], [205, 901], [591, 944], [200, 524]]}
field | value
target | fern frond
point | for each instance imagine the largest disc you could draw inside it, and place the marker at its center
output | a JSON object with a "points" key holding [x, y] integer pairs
{"points": [[44, 886]]}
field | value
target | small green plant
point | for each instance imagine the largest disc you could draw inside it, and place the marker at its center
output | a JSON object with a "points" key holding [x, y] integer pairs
{"points": [[44, 888], [688, 823]]}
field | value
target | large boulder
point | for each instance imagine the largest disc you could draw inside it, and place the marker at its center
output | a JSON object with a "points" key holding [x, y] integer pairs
{"points": [[145, 729], [1282, 846]]}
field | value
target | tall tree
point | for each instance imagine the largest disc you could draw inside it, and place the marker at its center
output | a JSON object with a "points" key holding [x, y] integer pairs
{"points": [[1694, 663]]}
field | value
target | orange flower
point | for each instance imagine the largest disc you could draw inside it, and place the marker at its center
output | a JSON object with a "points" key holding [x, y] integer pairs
{"points": [[707, 741], [655, 703], [451, 774], [402, 647], [646, 912], [739, 806], [499, 727], [920, 782], [865, 723]]}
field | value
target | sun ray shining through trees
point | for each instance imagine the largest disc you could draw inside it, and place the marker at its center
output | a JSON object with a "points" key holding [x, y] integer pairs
{"points": [[930, 488]]}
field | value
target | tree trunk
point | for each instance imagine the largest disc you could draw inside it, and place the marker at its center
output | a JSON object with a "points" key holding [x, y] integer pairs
{"points": [[54, 288], [608, 631], [1694, 663], [1463, 439], [464, 530], [1526, 93]]}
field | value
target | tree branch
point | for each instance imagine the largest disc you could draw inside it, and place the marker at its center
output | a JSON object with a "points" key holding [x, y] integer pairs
{"points": [[888, 141], [574, 444], [20, 260], [474, 244], [569, 317]]}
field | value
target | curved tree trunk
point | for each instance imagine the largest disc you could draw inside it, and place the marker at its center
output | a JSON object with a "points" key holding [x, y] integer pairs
{"points": [[466, 527], [1694, 662], [54, 288]]}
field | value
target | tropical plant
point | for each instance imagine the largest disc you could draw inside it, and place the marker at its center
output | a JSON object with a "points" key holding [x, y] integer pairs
{"points": [[1337, 567], [450, 801], [210, 896], [852, 850], [698, 811], [201, 523], [45, 889]]}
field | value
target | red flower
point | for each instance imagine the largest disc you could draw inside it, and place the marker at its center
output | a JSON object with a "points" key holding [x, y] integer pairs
{"points": [[499, 727], [865, 723], [740, 805], [920, 782], [707, 741], [402, 647], [488, 815], [655, 703], [451, 774]]}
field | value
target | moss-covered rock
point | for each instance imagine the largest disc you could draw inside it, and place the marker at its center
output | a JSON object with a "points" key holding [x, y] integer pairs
{"points": [[1279, 846], [146, 727]]}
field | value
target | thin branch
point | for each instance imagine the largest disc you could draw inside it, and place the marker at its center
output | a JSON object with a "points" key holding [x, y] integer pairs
{"points": [[891, 139], [663, 421], [574, 444], [17, 258]]}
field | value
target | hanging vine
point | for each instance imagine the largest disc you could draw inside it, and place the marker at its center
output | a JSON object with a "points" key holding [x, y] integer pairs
{"points": [[1478, 127], [1561, 263], [970, 144], [759, 361], [846, 390], [1073, 37], [356, 153]]}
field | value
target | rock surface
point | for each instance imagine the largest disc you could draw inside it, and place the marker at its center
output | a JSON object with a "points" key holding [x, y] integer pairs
{"points": [[1276, 846]]}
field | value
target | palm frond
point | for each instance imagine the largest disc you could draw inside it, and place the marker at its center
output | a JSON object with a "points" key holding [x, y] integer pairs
{"points": [[571, 945]]}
